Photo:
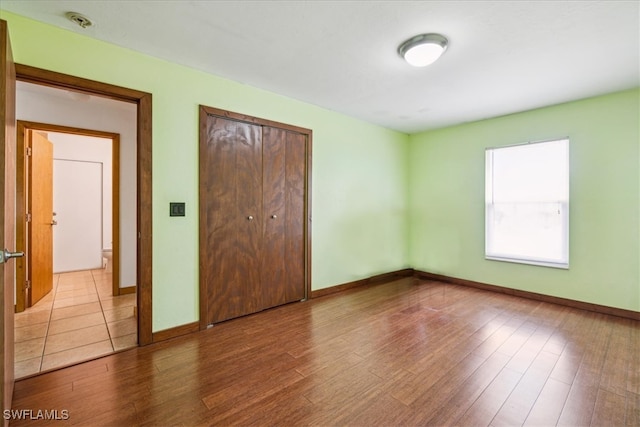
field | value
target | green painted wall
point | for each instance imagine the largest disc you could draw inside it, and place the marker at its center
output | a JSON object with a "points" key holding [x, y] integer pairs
{"points": [[359, 176], [382, 200], [447, 200]]}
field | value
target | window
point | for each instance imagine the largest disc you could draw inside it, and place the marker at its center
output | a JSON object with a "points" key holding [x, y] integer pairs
{"points": [[527, 203]]}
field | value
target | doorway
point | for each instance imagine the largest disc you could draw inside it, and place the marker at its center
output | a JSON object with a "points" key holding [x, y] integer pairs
{"points": [[85, 217], [75, 312], [143, 240]]}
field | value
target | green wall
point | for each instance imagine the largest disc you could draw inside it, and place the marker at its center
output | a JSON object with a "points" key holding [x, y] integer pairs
{"points": [[447, 200], [382, 200], [358, 173]]}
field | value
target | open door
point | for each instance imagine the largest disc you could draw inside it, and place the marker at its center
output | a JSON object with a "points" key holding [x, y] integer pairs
{"points": [[40, 211], [7, 210]]}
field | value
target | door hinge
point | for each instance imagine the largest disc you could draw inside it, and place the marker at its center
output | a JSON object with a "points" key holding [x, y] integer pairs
{"points": [[28, 217], [27, 284], [28, 151]]}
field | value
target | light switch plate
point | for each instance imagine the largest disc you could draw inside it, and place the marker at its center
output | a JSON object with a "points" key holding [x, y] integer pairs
{"points": [[176, 209]]}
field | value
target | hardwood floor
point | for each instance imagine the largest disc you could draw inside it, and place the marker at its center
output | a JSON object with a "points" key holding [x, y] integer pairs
{"points": [[409, 352]]}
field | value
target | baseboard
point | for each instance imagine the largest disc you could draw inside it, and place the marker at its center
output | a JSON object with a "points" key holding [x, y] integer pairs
{"points": [[620, 312], [175, 332], [127, 290], [409, 272], [386, 277]]}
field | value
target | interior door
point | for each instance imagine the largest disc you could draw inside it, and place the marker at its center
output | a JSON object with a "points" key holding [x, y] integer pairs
{"points": [[274, 179], [40, 206], [7, 210], [254, 206], [283, 254], [231, 177]]}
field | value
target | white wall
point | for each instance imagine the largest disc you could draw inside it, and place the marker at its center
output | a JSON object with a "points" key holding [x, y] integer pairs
{"points": [[60, 107], [77, 201], [82, 190]]}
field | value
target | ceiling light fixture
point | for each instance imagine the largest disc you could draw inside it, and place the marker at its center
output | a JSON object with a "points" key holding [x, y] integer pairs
{"points": [[79, 19], [423, 49]]}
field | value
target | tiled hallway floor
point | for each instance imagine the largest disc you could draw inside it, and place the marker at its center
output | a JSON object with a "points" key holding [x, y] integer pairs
{"points": [[78, 320]]}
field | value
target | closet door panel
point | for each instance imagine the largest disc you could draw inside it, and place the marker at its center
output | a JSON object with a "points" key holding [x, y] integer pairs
{"points": [[249, 218], [274, 186], [253, 219], [219, 261], [294, 206], [232, 156]]}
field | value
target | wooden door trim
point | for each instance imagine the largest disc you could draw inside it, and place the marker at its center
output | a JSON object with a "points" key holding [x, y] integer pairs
{"points": [[21, 227], [144, 174], [204, 113], [307, 215], [202, 286], [230, 115], [29, 74], [21, 180]]}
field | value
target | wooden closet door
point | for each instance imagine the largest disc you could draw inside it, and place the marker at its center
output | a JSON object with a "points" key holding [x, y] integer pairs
{"points": [[283, 257], [231, 173]]}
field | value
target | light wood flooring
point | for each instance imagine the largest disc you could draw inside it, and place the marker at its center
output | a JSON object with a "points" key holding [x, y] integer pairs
{"points": [[78, 320], [409, 352]]}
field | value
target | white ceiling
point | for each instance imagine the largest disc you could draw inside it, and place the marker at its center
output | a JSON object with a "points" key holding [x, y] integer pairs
{"points": [[503, 57]]}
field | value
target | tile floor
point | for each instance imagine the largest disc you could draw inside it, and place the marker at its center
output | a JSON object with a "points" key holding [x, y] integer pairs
{"points": [[78, 320]]}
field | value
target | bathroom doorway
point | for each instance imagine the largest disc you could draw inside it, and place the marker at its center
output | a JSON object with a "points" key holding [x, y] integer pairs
{"points": [[78, 227]]}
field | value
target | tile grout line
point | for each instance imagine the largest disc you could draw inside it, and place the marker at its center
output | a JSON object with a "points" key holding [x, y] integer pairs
{"points": [[46, 335], [106, 325], [58, 286], [73, 281]]}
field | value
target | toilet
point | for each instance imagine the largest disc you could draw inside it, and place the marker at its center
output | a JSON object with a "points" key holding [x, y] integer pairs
{"points": [[107, 260]]}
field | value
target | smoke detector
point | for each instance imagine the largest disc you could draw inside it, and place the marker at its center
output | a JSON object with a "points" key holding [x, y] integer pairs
{"points": [[79, 19]]}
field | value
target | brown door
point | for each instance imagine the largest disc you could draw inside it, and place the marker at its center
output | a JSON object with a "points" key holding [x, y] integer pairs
{"points": [[7, 210], [253, 203], [40, 206], [283, 191], [231, 182]]}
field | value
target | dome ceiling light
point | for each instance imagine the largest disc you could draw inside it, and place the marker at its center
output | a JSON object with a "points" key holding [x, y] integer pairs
{"points": [[423, 49]]}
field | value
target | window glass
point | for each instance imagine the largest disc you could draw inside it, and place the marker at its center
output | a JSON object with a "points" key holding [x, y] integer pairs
{"points": [[527, 203]]}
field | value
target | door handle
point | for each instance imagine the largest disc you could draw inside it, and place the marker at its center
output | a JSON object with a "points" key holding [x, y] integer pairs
{"points": [[5, 255]]}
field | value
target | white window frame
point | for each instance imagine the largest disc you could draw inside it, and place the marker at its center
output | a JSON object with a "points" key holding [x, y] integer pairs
{"points": [[491, 253]]}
